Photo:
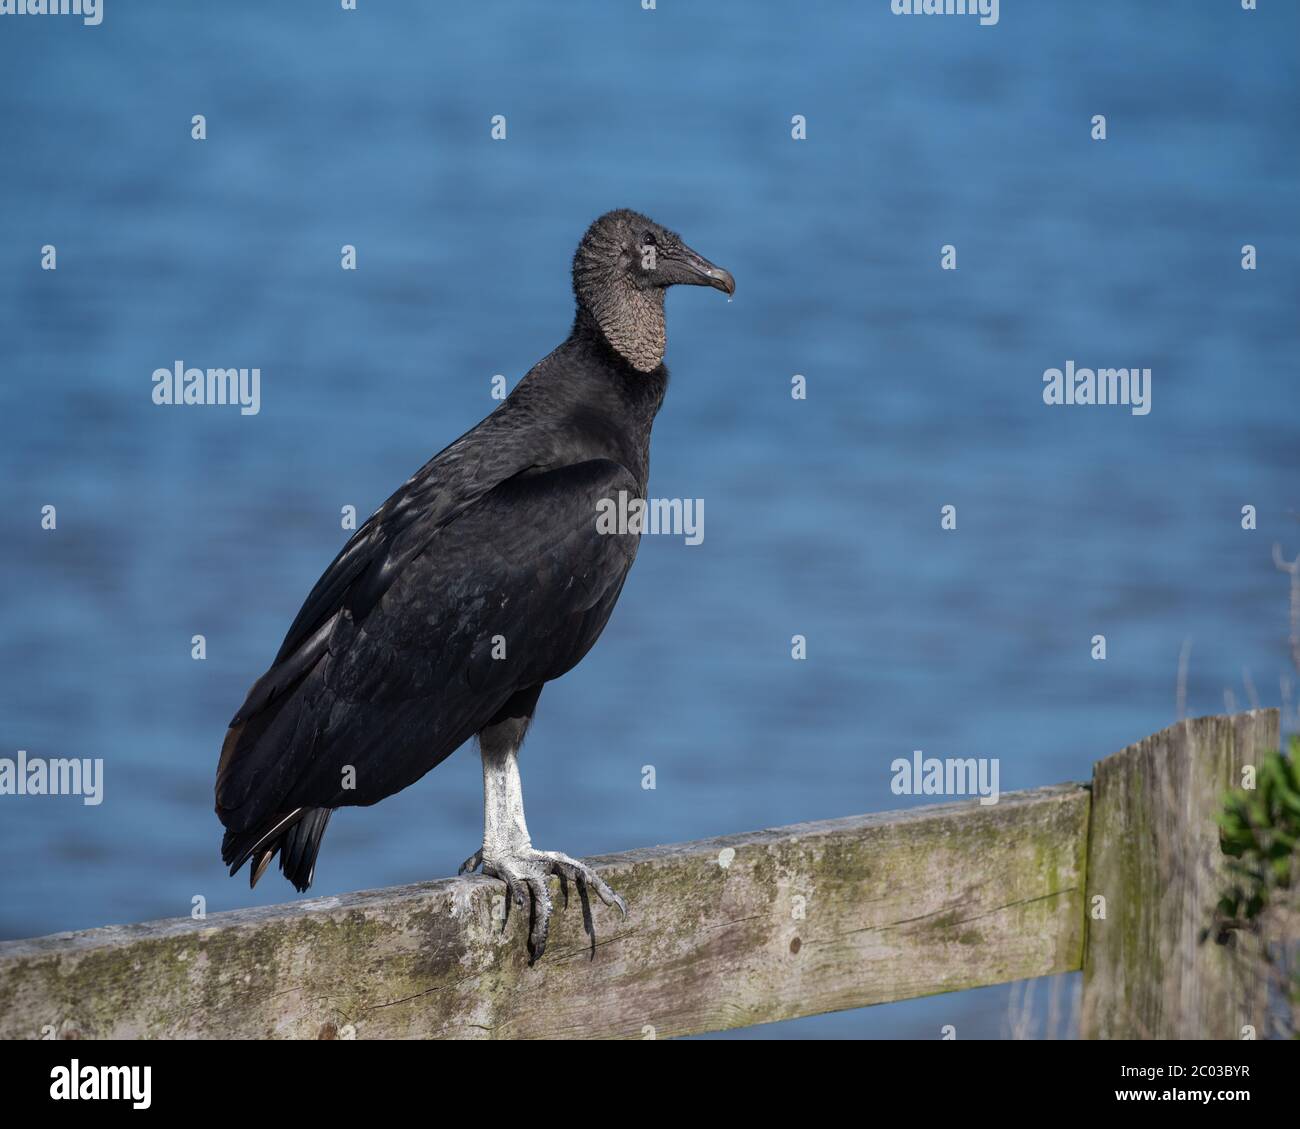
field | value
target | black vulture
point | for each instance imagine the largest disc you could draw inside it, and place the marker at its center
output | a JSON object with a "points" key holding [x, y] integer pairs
{"points": [[480, 580]]}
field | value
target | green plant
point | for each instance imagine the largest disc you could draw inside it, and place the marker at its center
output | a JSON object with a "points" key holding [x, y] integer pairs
{"points": [[1259, 829]]}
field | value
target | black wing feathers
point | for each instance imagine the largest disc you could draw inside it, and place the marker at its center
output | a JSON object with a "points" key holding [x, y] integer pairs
{"points": [[396, 657]]}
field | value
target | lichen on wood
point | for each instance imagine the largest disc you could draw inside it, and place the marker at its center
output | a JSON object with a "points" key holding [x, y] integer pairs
{"points": [[722, 933]]}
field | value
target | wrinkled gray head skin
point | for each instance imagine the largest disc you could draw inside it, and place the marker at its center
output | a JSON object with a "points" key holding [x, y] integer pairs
{"points": [[623, 265]]}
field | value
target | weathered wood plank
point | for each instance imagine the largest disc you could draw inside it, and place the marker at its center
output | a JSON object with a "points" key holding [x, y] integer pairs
{"points": [[1154, 856], [805, 919]]}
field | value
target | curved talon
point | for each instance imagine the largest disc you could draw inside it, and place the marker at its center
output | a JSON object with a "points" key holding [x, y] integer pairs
{"points": [[581, 872], [472, 863], [528, 870], [540, 925], [514, 888]]}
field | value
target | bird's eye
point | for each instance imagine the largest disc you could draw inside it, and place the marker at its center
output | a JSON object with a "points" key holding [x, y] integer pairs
{"points": [[649, 240]]}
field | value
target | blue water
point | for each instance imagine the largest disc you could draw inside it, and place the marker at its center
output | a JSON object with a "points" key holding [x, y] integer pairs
{"points": [[822, 516]]}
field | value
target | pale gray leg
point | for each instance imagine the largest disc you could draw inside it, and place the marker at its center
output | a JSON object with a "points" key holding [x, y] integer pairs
{"points": [[508, 853]]}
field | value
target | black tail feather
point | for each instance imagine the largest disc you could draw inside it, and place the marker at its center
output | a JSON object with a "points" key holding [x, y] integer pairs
{"points": [[295, 835], [299, 847]]}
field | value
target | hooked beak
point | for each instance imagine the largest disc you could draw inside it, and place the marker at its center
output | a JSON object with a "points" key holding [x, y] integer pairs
{"points": [[706, 274]]}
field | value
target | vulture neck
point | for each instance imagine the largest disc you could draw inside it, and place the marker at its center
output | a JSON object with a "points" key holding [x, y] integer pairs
{"points": [[631, 320]]}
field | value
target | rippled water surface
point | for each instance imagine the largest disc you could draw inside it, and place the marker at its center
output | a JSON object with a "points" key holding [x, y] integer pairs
{"points": [[822, 516]]}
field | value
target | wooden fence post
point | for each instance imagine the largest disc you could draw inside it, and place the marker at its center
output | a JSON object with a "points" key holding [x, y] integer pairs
{"points": [[1154, 857], [727, 932]]}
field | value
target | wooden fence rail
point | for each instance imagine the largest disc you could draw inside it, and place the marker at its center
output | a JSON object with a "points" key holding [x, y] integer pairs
{"points": [[722, 933]]}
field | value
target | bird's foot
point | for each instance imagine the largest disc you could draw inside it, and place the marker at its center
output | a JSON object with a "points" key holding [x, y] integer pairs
{"points": [[526, 871]]}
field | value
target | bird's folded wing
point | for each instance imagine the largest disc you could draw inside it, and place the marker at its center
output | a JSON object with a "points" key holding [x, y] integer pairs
{"points": [[431, 636]]}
